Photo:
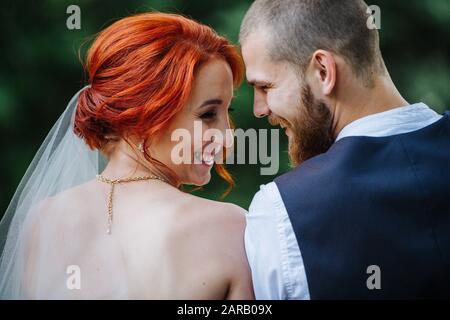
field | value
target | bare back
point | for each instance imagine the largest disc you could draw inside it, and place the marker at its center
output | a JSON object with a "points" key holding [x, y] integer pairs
{"points": [[165, 244]]}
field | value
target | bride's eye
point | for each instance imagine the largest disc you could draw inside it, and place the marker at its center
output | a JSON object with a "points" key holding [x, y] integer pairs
{"points": [[208, 115]]}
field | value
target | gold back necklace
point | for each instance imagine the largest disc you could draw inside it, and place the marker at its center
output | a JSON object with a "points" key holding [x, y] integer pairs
{"points": [[113, 183]]}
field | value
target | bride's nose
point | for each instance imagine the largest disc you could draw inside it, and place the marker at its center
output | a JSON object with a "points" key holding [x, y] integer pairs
{"points": [[215, 142], [229, 138], [228, 134], [223, 134]]}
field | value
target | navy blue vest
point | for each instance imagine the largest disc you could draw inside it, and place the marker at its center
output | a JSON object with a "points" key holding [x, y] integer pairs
{"points": [[375, 201]]}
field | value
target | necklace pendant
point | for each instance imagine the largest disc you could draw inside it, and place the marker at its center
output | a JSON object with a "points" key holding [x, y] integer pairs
{"points": [[112, 183]]}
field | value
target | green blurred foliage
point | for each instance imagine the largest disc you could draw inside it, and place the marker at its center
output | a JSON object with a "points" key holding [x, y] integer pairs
{"points": [[41, 69]]}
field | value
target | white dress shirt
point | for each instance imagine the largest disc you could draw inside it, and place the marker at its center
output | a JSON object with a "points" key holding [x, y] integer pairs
{"points": [[274, 255]]}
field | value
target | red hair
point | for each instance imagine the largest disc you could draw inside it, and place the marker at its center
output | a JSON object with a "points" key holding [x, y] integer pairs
{"points": [[141, 71]]}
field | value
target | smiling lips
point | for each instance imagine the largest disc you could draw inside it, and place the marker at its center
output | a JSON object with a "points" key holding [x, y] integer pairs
{"points": [[277, 121], [205, 158]]}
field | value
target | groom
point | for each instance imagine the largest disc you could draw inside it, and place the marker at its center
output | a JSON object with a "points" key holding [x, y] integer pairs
{"points": [[365, 214]]}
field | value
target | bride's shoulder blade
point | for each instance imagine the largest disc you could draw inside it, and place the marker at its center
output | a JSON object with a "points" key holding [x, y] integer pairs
{"points": [[216, 226]]}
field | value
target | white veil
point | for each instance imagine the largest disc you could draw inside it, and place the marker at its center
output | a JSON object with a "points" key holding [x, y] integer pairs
{"points": [[62, 162]]}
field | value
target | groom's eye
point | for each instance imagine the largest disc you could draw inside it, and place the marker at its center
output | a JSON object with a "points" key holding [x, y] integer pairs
{"points": [[263, 88]]}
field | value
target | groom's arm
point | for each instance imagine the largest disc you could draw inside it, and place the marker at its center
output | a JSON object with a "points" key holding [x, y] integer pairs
{"points": [[272, 249]]}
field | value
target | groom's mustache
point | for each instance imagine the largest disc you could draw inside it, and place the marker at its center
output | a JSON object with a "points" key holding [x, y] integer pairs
{"points": [[278, 121]]}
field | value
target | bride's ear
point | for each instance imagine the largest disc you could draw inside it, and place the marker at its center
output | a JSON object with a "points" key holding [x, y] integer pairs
{"points": [[324, 69]]}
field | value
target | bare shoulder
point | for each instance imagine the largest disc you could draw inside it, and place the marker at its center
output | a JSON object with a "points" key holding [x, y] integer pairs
{"points": [[57, 212], [68, 205], [219, 219], [216, 227]]}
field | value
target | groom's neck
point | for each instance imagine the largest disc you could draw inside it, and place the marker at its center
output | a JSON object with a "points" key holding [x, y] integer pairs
{"points": [[359, 101]]}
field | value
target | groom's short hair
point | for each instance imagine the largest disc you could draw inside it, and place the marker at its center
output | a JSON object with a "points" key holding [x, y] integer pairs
{"points": [[297, 28]]}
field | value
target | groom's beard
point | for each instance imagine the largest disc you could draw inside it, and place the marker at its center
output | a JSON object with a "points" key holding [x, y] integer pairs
{"points": [[310, 132]]}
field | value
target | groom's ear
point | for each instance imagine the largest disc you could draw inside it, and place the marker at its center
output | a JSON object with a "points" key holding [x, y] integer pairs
{"points": [[323, 67]]}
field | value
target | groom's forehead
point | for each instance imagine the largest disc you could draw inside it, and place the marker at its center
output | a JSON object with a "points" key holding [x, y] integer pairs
{"points": [[254, 49], [257, 60]]}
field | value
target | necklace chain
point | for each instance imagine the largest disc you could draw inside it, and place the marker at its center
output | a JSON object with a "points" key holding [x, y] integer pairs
{"points": [[113, 183]]}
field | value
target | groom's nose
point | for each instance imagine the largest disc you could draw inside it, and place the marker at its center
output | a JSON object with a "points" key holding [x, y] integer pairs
{"points": [[260, 107]]}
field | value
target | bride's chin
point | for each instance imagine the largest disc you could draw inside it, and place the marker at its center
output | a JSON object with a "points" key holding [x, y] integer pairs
{"points": [[201, 178], [198, 182], [201, 184]]}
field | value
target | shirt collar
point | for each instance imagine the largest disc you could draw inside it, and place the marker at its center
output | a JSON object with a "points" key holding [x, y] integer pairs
{"points": [[396, 121]]}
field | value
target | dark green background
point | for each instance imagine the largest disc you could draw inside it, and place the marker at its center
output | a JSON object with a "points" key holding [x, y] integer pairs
{"points": [[40, 70]]}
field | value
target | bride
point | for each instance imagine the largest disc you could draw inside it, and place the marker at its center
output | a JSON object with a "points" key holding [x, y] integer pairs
{"points": [[99, 213]]}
